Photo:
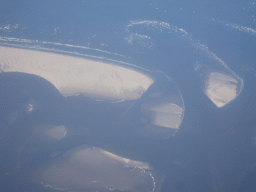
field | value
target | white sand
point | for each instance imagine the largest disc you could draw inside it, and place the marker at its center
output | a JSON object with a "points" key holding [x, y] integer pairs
{"points": [[221, 88], [75, 75]]}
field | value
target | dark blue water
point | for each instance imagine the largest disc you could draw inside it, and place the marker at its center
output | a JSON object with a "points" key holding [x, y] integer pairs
{"points": [[198, 54]]}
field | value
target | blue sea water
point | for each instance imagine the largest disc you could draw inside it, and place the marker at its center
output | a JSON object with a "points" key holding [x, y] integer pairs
{"points": [[200, 55]]}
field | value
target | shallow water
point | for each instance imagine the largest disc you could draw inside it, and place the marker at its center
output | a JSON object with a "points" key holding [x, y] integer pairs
{"points": [[167, 84]]}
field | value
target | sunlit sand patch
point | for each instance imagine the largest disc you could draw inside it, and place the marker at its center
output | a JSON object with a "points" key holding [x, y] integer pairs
{"points": [[168, 115], [57, 132], [161, 112], [221, 88], [74, 75], [44, 131], [94, 169]]}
